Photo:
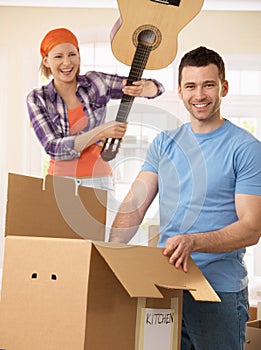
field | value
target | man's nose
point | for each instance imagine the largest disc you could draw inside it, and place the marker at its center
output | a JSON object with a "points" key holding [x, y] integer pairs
{"points": [[199, 92]]}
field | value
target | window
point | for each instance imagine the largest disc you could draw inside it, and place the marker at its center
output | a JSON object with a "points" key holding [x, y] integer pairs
{"points": [[249, 124], [244, 82]]}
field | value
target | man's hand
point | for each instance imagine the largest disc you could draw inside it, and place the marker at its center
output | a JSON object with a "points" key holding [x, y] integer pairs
{"points": [[178, 248]]}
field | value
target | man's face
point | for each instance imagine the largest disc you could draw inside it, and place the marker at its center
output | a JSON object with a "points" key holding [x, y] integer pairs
{"points": [[201, 92]]}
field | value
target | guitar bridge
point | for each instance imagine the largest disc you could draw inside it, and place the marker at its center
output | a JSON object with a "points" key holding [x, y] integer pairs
{"points": [[168, 2]]}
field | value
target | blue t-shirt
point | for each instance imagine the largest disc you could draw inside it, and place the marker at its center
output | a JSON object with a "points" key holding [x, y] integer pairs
{"points": [[198, 176]]}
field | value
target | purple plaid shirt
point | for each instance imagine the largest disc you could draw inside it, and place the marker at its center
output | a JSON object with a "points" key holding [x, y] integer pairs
{"points": [[48, 111]]}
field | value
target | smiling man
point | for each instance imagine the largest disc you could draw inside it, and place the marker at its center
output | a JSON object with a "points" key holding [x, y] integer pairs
{"points": [[208, 176]]}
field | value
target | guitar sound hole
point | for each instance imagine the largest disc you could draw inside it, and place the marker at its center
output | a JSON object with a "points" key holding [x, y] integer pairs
{"points": [[147, 35]]}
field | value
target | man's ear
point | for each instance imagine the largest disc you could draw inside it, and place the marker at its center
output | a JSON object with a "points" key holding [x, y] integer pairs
{"points": [[225, 88], [179, 92]]}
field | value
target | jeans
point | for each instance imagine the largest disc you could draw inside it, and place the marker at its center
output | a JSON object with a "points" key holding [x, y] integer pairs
{"points": [[215, 326]]}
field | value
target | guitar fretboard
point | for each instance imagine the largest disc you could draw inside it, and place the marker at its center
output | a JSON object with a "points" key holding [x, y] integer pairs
{"points": [[140, 59], [138, 65]]}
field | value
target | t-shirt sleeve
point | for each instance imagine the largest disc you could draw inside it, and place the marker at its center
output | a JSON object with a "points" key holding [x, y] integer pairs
{"points": [[248, 177], [151, 162]]}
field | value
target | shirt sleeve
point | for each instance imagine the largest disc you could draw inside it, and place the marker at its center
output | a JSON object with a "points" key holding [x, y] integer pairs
{"points": [[49, 129], [151, 162], [248, 168], [160, 87], [111, 85], [105, 86]]}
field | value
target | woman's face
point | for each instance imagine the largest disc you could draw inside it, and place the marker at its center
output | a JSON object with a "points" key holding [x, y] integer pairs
{"points": [[64, 61]]}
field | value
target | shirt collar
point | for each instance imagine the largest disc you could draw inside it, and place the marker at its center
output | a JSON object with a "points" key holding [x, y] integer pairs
{"points": [[81, 81], [52, 91]]}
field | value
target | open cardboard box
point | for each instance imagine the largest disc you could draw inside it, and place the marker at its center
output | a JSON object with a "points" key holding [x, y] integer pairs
{"points": [[253, 335], [75, 294]]}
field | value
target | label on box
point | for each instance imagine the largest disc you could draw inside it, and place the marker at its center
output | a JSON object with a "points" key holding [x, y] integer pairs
{"points": [[157, 329]]}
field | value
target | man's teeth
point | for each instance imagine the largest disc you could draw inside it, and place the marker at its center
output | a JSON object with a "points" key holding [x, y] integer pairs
{"points": [[200, 105]]}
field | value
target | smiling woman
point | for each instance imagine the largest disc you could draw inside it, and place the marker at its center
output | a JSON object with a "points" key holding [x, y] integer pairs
{"points": [[68, 114]]}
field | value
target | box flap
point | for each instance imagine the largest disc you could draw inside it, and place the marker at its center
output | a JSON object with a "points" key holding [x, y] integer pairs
{"points": [[51, 208], [141, 269]]}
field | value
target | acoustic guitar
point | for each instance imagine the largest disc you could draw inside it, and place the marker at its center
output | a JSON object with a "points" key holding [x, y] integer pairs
{"points": [[145, 36]]}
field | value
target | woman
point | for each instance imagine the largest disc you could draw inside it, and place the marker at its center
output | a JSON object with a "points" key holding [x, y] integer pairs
{"points": [[68, 114]]}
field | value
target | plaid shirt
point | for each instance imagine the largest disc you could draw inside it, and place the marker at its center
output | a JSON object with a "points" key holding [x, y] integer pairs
{"points": [[48, 111]]}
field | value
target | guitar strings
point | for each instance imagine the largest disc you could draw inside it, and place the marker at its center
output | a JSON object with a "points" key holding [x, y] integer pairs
{"points": [[140, 59]]}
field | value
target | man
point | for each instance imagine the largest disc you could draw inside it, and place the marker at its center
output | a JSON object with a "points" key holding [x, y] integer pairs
{"points": [[208, 176]]}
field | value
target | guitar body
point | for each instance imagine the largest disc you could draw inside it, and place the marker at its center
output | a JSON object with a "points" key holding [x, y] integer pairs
{"points": [[145, 36], [162, 17]]}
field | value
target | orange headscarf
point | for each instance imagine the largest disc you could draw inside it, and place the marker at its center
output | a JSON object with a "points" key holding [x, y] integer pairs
{"points": [[56, 37]]}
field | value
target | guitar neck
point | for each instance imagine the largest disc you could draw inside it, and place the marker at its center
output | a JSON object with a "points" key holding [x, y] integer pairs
{"points": [[138, 65], [111, 146]]}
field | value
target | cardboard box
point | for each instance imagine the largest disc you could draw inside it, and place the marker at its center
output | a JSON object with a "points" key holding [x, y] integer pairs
{"points": [[51, 208], [64, 294], [252, 313], [60, 292], [153, 235], [253, 335]]}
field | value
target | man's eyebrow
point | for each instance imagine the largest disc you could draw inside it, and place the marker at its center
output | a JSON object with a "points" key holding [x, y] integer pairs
{"points": [[210, 81], [189, 83], [204, 82]]}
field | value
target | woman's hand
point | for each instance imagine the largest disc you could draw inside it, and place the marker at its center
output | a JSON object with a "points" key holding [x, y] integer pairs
{"points": [[113, 129], [141, 88]]}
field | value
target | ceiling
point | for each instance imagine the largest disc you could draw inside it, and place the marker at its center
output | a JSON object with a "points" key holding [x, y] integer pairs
{"points": [[226, 5]]}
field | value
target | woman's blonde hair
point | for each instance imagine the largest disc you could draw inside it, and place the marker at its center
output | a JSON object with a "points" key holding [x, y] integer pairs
{"points": [[45, 71]]}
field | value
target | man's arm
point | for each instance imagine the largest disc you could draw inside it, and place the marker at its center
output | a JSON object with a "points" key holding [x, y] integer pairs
{"points": [[242, 233], [134, 207]]}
